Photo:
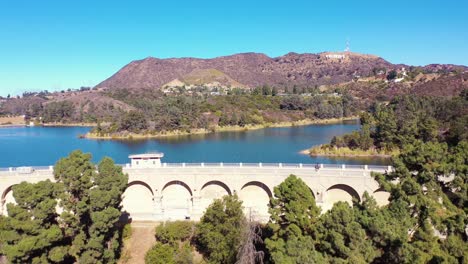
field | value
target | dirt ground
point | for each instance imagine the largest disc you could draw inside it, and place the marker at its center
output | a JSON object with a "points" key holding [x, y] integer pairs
{"points": [[12, 120], [141, 240]]}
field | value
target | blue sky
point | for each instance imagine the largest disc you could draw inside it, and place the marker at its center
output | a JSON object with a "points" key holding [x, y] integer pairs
{"points": [[56, 45]]}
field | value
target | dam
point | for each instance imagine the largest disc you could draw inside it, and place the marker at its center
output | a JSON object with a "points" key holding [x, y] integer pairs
{"points": [[160, 191]]}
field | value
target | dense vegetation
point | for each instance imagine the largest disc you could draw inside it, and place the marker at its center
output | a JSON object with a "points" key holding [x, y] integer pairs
{"points": [[86, 230], [406, 120], [173, 244], [157, 114], [424, 222]]}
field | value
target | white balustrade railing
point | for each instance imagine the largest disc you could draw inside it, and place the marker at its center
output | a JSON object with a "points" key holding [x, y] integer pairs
{"points": [[230, 165]]}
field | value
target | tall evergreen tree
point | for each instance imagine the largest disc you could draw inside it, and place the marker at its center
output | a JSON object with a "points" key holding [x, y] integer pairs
{"points": [[91, 206], [31, 232], [219, 233], [292, 223]]}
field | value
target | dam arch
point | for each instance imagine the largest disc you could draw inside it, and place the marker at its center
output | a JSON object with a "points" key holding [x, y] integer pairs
{"points": [[7, 197], [164, 191], [137, 199], [255, 196], [381, 197], [212, 190], [176, 200], [340, 192]]}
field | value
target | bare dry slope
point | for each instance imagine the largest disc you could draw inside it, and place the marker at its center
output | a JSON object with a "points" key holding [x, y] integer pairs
{"points": [[250, 69]]}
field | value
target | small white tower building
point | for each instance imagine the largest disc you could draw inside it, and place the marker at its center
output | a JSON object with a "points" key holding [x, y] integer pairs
{"points": [[148, 160]]}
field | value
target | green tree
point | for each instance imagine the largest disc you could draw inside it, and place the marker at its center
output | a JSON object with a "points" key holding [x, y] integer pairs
{"points": [[365, 140], [31, 232], [274, 91], [342, 239], [133, 121], [219, 232], [386, 129], [172, 232], [91, 206], [173, 243], [266, 90], [392, 75], [58, 111], [257, 91], [293, 215], [160, 254]]}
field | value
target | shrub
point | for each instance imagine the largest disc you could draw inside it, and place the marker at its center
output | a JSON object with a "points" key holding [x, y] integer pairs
{"points": [[171, 232], [127, 231], [160, 254]]}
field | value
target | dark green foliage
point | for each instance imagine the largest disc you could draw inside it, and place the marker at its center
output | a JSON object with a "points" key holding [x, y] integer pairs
{"points": [[133, 121], [126, 231], [173, 243], [266, 90], [425, 221], [160, 254], [58, 112], [292, 223], [91, 206], [171, 232], [407, 120], [392, 75], [86, 231], [342, 239], [31, 232], [426, 203], [183, 112], [219, 232]]}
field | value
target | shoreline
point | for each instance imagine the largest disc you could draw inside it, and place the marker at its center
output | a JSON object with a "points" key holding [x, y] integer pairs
{"points": [[68, 124], [202, 131], [307, 152], [12, 125], [51, 125], [319, 151]]}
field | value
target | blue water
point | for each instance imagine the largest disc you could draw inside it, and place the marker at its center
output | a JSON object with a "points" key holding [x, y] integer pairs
{"points": [[40, 146]]}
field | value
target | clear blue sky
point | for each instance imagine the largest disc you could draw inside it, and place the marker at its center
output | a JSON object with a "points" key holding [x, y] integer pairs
{"points": [[57, 45]]}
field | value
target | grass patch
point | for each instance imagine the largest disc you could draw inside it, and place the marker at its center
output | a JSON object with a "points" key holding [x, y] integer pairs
{"points": [[327, 150]]}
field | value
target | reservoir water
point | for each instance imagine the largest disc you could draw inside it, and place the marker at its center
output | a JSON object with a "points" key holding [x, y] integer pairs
{"points": [[41, 146]]}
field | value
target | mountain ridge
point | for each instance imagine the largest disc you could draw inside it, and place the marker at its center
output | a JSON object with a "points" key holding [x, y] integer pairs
{"points": [[252, 69]]}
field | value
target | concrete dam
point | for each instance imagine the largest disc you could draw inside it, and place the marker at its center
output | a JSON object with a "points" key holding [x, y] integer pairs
{"points": [[172, 191]]}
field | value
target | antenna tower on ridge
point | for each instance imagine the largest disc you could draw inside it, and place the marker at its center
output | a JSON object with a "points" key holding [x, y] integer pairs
{"points": [[347, 46]]}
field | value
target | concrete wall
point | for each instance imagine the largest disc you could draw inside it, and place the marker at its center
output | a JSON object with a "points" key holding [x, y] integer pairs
{"points": [[180, 191]]}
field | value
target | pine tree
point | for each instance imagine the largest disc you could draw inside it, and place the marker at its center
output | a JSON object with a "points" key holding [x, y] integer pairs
{"points": [[91, 206], [292, 223], [31, 232], [219, 233]]}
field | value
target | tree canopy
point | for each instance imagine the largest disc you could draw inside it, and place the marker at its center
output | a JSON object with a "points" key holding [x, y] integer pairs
{"points": [[219, 233], [86, 230]]}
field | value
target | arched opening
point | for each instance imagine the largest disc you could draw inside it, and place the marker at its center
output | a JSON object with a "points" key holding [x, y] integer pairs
{"points": [[381, 197], [339, 192], [7, 197], [255, 197], [212, 190], [176, 200], [137, 200]]}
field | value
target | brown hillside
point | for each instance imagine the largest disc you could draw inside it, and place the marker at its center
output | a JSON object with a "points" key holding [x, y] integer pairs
{"points": [[249, 69], [448, 85]]}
